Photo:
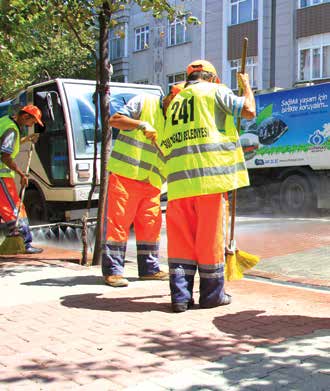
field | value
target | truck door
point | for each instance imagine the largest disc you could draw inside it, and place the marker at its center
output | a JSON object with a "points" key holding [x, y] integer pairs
{"points": [[52, 147]]}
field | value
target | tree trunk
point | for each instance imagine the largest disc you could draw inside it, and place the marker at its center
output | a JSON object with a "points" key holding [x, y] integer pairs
{"points": [[104, 90], [84, 221]]}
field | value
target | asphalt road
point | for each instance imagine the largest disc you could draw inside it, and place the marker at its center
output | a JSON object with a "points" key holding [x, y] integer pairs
{"points": [[295, 248]]}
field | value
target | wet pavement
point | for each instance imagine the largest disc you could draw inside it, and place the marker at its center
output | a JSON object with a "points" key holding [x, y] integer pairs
{"points": [[61, 328]]}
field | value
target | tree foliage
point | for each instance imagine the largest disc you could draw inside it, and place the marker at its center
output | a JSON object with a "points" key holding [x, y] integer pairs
{"points": [[34, 43], [59, 38]]}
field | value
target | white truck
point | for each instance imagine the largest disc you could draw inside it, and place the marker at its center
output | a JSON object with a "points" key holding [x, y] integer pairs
{"points": [[61, 167], [287, 149]]}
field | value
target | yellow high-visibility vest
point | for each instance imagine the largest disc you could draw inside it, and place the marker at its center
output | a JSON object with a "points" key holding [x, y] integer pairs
{"points": [[200, 159], [133, 156], [5, 124]]}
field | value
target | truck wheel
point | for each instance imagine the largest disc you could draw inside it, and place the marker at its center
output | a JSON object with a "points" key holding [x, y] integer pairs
{"points": [[296, 196], [35, 207]]}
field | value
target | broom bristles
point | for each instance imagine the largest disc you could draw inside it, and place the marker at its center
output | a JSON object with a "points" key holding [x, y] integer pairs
{"points": [[12, 245], [233, 271], [246, 260], [237, 263]]}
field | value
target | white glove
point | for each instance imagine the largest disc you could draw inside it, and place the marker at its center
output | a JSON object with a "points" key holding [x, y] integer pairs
{"points": [[148, 131], [34, 137]]}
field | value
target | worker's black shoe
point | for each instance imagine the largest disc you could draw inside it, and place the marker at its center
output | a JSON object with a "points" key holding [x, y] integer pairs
{"points": [[33, 250], [182, 307]]}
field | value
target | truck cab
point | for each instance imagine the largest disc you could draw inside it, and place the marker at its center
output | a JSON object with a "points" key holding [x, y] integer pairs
{"points": [[61, 167]]}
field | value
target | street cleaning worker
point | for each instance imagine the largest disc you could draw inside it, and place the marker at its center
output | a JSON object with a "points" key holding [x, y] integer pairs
{"points": [[10, 140], [133, 195], [204, 160]]}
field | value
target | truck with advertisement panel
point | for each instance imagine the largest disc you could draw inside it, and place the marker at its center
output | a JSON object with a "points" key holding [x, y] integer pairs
{"points": [[61, 167], [287, 149]]}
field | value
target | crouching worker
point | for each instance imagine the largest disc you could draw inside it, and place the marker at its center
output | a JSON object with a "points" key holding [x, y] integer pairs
{"points": [[10, 140], [133, 195]]}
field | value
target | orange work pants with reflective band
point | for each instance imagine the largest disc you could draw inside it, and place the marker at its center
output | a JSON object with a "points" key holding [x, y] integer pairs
{"points": [[131, 202], [9, 203], [196, 235]]}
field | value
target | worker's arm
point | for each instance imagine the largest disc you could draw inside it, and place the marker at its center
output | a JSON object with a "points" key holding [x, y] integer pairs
{"points": [[123, 122], [249, 106], [10, 163]]}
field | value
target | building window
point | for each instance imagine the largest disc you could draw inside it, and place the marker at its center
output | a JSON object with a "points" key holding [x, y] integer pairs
{"points": [[141, 38], [177, 32], [118, 79], [308, 3], [314, 63], [142, 82], [250, 69], [175, 78], [117, 45], [243, 11]]}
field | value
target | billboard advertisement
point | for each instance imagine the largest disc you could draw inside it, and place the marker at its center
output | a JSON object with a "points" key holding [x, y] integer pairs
{"points": [[292, 127]]}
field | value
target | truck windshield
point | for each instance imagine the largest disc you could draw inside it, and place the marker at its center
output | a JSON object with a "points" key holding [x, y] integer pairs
{"points": [[82, 112]]}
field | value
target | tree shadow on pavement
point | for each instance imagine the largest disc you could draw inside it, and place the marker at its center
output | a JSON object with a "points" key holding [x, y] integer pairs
{"points": [[95, 301], [67, 281], [265, 368], [257, 324], [71, 281], [300, 363], [15, 269]]}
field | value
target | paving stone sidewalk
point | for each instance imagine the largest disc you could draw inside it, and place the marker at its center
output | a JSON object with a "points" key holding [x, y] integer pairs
{"points": [[61, 328], [299, 364]]}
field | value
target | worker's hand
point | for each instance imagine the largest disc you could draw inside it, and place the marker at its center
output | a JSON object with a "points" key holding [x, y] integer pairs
{"points": [[33, 137], [243, 80], [24, 181], [151, 135], [148, 131]]}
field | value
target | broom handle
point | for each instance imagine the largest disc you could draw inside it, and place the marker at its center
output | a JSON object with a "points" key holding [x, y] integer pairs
{"points": [[156, 145], [234, 192], [24, 187]]}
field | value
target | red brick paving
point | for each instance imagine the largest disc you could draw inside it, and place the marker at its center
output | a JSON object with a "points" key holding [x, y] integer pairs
{"points": [[283, 239], [108, 341], [128, 335]]}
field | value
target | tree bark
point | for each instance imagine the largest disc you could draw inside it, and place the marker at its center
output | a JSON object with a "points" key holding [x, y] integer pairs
{"points": [[84, 236], [104, 91]]}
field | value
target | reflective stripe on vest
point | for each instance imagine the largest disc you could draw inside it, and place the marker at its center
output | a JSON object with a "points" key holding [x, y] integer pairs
{"points": [[201, 159], [133, 156], [5, 124]]}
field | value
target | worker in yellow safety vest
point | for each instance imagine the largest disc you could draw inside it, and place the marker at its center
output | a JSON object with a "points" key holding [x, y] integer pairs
{"points": [[204, 160], [133, 197], [10, 140]]}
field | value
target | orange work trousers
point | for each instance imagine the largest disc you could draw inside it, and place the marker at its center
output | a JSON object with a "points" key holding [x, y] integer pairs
{"points": [[9, 204], [196, 235], [131, 202]]}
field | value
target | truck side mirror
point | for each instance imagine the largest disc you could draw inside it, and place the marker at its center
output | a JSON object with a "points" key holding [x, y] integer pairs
{"points": [[49, 103]]}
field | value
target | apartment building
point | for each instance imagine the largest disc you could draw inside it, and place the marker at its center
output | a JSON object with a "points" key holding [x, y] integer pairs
{"points": [[289, 42]]}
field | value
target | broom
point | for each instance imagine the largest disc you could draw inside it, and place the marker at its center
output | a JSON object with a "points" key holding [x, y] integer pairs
{"points": [[14, 243], [237, 261]]}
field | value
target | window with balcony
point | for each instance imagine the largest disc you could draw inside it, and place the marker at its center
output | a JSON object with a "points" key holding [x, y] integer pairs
{"points": [[250, 68], [117, 45], [141, 38], [177, 32], [314, 63], [242, 11], [308, 3], [175, 78]]}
